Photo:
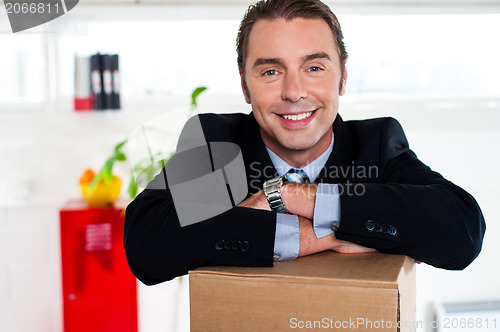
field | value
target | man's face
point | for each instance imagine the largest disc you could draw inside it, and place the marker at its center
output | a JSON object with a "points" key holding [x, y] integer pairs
{"points": [[292, 72]]}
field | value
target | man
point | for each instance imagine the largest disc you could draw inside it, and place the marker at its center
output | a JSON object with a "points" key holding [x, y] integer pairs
{"points": [[362, 188]]}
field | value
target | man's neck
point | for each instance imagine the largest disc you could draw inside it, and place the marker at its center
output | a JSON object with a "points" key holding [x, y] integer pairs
{"points": [[301, 158]]}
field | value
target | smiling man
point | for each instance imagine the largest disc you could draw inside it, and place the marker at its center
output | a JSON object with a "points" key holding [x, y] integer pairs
{"points": [[293, 76], [315, 182]]}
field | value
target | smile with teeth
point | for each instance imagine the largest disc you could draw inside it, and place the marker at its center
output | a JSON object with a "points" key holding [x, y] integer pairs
{"points": [[297, 117]]}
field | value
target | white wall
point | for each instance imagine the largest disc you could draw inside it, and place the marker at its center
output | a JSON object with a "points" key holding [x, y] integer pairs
{"points": [[44, 153], [43, 156]]}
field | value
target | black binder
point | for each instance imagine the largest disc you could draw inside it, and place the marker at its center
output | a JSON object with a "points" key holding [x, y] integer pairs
{"points": [[96, 77], [115, 95], [107, 80]]}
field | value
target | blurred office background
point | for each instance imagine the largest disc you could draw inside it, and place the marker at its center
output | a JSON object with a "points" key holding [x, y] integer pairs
{"points": [[433, 65]]}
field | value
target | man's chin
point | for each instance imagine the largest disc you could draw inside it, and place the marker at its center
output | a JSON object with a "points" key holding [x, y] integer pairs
{"points": [[297, 144], [291, 142]]}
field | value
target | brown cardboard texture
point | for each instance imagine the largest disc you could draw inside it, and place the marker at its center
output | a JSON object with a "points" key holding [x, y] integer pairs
{"points": [[328, 290]]}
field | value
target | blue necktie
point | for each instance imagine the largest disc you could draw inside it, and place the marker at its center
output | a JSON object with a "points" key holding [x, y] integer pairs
{"points": [[297, 175]]}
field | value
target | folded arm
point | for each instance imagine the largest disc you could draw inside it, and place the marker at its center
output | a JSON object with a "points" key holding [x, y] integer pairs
{"points": [[159, 249], [299, 198]]}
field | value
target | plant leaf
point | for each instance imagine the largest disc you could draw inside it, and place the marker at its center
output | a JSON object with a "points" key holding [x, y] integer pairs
{"points": [[121, 156], [96, 180], [132, 187], [150, 173], [195, 95], [120, 145], [107, 177]]}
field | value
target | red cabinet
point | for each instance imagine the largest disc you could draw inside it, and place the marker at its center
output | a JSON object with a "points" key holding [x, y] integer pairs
{"points": [[99, 291]]}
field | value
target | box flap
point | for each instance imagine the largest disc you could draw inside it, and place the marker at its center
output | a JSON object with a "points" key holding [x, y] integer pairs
{"points": [[363, 270]]}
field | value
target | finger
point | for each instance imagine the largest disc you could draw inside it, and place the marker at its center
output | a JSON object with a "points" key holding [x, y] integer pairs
{"points": [[352, 248]]}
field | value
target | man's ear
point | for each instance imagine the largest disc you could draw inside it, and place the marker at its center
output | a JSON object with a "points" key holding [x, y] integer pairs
{"points": [[244, 88], [343, 82]]}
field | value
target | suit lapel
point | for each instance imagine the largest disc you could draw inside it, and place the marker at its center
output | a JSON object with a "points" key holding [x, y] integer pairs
{"points": [[341, 156], [258, 165]]}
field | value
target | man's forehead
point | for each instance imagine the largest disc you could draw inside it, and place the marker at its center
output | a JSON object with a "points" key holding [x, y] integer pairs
{"points": [[298, 39], [279, 26], [299, 32]]}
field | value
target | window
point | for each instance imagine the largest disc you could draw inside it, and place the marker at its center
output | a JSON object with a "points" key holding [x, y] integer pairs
{"points": [[160, 58], [23, 69], [390, 56], [431, 55]]}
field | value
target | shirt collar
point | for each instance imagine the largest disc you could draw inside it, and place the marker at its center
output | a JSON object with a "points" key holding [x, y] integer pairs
{"points": [[312, 169]]}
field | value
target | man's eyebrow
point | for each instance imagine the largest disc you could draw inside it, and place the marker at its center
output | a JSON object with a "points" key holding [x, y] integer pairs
{"points": [[277, 61], [267, 61], [319, 55]]}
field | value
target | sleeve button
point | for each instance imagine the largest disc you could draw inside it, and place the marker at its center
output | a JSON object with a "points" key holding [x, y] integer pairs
{"points": [[244, 246], [370, 225], [385, 229], [219, 245]]}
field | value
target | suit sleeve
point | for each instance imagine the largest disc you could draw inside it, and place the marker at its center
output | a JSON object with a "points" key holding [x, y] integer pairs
{"points": [[159, 249], [413, 210]]}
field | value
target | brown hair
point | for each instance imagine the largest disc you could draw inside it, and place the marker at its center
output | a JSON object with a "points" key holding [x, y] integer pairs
{"points": [[288, 10]]}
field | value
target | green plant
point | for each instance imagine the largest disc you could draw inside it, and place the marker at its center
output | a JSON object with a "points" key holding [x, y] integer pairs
{"points": [[106, 171], [147, 168]]}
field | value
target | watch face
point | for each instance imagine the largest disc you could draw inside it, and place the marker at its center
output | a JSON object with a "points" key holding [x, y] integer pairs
{"points": [[273, 195], [280, 181], [266, 188]]}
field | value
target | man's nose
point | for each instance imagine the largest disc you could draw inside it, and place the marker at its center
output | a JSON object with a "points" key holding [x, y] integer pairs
{"points": [[293, 87]]}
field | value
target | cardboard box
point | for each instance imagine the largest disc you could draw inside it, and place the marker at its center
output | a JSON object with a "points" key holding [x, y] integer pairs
{"points": [[351, 292]]}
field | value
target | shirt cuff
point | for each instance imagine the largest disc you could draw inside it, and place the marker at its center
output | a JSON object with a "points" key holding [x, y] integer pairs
{"points": [[326, 218], [286, 242]]}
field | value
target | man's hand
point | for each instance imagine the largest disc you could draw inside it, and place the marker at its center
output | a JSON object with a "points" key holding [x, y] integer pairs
{"points": [[310, 244], [256, 201], [299, 198], [347, 247]]}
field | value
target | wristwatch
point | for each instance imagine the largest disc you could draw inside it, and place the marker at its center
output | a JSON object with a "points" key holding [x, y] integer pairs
{"points": [[272, 190]]}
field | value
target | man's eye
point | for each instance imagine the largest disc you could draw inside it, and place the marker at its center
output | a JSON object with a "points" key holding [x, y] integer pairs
{"points": [[315, 68], [270, 72]]}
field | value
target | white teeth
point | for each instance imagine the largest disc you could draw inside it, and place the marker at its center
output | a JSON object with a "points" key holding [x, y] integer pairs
{"points": [[298, 117]]}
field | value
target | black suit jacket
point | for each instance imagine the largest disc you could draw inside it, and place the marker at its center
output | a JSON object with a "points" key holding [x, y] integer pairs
{"points": [[390, 201]]}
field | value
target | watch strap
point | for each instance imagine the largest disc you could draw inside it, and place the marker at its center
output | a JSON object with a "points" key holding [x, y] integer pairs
{"points": [[272, 190]]}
